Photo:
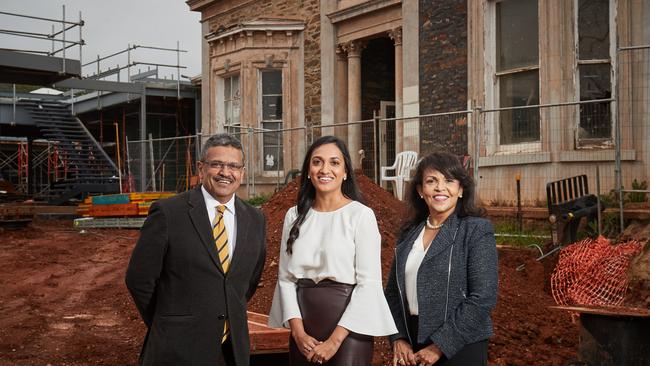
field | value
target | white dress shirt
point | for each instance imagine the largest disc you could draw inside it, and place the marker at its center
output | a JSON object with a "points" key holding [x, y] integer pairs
{"points": [[413, 262], [343, 245], [228, 216]]}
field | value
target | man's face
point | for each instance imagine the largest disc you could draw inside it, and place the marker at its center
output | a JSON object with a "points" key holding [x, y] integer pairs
{"points": [[222, 171]]}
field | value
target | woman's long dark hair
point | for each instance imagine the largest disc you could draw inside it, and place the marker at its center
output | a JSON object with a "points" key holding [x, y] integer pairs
{"points": [[449, 165], [307, 192]]}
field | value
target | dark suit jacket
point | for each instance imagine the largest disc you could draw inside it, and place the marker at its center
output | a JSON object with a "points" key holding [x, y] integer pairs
{"points": [[458, 278], [178, 285]]}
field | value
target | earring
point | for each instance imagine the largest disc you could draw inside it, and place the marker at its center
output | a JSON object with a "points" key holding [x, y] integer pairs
{"points": [[309, 177], [460, 195], [345, 177], [421, 196]]}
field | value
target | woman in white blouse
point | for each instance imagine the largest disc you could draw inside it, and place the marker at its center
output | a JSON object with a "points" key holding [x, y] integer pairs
{"points": [[329, 290]]}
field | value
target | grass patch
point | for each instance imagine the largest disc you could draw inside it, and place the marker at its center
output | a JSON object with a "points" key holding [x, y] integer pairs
{"points": [[506, 233], [260, 199]]}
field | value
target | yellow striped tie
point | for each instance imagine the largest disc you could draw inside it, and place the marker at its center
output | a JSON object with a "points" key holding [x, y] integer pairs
{"points": [[221, 241]]}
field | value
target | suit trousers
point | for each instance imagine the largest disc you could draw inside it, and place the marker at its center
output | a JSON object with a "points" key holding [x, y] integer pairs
{"points": [[226, 357]]}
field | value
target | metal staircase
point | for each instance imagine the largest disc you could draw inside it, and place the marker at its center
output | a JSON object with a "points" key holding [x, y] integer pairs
{"points": [[90, 169]]}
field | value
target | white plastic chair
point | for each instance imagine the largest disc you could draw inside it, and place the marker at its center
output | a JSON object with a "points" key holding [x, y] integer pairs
{"points": [[404, 163]]}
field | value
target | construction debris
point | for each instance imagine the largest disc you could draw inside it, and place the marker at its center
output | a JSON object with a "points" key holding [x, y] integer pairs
{"points": [[125, 210], [593, 272], [14, 216], [134, 204]]}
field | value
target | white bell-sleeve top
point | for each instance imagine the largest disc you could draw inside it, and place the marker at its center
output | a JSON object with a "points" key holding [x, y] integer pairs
{"points": [[343, 246]]}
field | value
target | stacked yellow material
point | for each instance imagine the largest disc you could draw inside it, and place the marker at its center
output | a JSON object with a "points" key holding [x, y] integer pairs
{"points": [[120, 205]]}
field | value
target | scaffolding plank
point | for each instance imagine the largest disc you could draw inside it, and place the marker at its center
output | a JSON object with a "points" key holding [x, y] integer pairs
{"points": [[120, 209], [113, 222]]}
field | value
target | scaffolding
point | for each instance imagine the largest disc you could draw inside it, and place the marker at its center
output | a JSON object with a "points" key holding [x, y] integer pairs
{"points": [[96, 98]]}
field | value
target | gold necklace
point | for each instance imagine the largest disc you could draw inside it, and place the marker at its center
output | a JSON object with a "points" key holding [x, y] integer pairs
{"points": [[431, 226]]}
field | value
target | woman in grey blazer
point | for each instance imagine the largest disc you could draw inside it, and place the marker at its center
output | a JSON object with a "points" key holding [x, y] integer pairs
{"points": [[443, 281]]}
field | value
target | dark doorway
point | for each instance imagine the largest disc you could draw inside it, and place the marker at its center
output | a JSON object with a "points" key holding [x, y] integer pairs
{"points": [[377, 86]]}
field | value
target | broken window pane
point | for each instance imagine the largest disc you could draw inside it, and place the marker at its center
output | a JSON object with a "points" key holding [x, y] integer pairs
{"points": [[517, 34], [595, 118], [519, 125], [593, 29]]}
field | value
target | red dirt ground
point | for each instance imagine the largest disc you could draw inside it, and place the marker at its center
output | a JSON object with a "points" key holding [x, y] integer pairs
{"points": [[64, 301]]}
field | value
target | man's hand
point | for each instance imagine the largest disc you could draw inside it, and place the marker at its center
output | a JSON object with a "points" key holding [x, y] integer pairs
{"points": [[428, 355], [403, 353]]}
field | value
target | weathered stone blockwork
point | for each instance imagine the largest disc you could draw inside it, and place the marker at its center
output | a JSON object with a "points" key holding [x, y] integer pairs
{"points": [[307, 11], [443, 73]]}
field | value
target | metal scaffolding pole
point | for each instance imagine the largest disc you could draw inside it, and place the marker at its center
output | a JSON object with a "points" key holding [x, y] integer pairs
{"points": [[143, 136]]}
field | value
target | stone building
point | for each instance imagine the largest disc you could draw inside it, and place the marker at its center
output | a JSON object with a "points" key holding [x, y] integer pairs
{"points": [[283, 64], [294, 64]]}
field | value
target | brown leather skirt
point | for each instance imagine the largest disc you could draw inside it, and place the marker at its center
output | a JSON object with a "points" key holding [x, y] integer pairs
{"points": [[322, 306]]}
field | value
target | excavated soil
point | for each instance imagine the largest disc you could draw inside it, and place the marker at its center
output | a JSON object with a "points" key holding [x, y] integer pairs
{"points": [[639, 272], [64, 301]]}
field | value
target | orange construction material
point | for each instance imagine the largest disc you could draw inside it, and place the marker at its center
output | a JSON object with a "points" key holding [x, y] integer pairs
{"points": [[593, 272], [117, 205], [123, 209]]}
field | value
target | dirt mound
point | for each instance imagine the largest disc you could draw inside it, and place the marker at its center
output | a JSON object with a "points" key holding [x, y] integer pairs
{"points": [[639, 292], [526, 331]]}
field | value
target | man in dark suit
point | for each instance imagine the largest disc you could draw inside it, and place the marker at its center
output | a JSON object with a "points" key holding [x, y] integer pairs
{"points": [[197, 263]]}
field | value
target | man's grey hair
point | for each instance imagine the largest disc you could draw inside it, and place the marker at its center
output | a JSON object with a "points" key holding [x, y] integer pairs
{"points": [[222, 139]]}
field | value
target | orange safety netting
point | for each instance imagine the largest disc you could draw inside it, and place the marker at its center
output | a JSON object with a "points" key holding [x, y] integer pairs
{"points": [[593, 272]]}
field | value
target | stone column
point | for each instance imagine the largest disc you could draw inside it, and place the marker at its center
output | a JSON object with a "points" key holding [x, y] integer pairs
{"points": [[341, 93], [354, 49], [396, 36], [411, 74]]}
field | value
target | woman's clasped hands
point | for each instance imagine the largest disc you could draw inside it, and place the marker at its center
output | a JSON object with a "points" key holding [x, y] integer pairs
{"points": [[403, 355], [323, 352], [305, 342], [314, 350]]}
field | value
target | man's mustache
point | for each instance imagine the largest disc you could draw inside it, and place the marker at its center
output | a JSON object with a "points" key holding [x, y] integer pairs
{"points": [[222, 177]]}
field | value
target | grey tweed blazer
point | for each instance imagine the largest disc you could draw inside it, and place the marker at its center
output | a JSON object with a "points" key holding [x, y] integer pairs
{"points": [[456, 285]]}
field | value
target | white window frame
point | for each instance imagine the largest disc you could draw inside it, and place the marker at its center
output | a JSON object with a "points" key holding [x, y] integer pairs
{"points": [[261, 120], [492, 89], [606, 141]]}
